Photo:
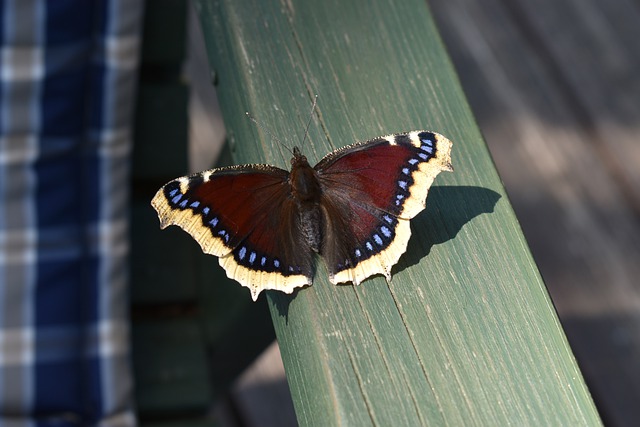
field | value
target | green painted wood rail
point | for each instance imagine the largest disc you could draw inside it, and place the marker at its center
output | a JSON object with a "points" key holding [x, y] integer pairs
{"points": [[465, 334]]}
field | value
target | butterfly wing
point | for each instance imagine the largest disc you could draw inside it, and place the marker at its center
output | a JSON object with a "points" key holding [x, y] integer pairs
{"points": [[370, 191], [245, 216]]}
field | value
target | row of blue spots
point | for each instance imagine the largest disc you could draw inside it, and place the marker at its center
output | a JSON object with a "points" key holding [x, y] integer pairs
{"points": [[213, 222], [379, 241], [253, 256], [179, 199], [224, 234], [427, 147], [426, 151]]}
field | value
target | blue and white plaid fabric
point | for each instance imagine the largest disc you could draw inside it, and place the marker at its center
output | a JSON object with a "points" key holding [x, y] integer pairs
{"points": [[67, 81]]}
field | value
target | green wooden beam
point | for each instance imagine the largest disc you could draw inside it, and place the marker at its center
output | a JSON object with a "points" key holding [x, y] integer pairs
{"points": [[465, 334]]}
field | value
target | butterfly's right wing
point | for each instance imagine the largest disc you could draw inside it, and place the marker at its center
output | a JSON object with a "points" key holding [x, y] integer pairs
{"points": [[370, 192], [245, 216]]}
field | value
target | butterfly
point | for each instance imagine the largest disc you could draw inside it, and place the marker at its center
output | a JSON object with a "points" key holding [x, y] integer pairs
{"points": [[352, 208]]}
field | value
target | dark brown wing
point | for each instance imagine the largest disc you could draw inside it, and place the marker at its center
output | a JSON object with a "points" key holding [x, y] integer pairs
{"points": [[245, 216], [370, 191]]}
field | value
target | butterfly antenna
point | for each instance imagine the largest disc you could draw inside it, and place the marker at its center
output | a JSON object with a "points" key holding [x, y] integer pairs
{"points": [[306, 129], [275, 138]]}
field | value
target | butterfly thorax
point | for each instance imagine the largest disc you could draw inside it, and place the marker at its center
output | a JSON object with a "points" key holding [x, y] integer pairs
{"points": [[306, 191], [305, 186]]}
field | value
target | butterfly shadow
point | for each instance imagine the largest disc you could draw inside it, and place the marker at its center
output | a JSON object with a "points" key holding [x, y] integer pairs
{"points": [[449, 208]]}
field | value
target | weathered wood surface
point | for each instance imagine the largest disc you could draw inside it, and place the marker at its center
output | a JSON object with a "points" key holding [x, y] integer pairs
{"points": [[555, 86], [465, 333]]}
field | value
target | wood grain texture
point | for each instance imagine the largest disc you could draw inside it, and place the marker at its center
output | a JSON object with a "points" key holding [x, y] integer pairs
{"points": [[465, 334]]}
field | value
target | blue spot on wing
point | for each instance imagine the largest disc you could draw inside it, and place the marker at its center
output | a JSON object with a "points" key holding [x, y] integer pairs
{"points": [[427, 149], [427, 142]]}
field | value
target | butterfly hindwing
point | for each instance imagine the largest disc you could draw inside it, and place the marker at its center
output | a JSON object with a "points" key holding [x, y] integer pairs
{"points": [[370, 191], [243, 215]]}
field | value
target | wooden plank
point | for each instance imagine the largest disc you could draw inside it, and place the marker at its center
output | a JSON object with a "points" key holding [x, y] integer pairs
{"points": [[545, 95], [465, 333]]}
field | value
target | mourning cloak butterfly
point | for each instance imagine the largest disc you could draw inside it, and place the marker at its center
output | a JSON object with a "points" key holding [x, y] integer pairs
{"points": [[353, 208]]}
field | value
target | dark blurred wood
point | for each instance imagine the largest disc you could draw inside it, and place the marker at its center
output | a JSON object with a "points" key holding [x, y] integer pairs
{"points": [[556, 90]]}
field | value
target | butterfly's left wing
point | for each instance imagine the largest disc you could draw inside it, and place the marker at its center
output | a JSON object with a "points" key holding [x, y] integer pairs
{"points": [[370, 191], [244, 215]]}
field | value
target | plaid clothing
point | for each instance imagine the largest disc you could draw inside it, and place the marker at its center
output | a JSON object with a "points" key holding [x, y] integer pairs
{"points": [[68, 70]]}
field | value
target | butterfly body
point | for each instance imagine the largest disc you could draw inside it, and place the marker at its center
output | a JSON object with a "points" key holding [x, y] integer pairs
{"points": [[306, 191], [353, 208]]}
